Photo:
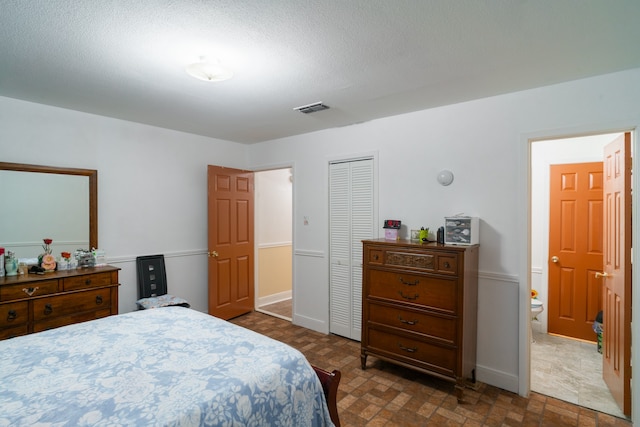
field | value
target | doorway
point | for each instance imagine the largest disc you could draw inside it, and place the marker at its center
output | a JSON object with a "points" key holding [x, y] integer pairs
{"points": [[274, 242], [564, 368]]}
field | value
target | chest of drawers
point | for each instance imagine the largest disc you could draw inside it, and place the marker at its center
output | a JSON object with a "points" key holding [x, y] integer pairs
{"points": [[33, 303], [419, 307]]}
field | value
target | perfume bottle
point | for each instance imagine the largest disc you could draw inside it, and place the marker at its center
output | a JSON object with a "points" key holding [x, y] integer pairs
{"points": [[1, 262]]}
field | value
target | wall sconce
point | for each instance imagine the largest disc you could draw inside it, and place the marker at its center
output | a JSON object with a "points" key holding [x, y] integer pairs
{"points": [[209, 71], [445, 177]]}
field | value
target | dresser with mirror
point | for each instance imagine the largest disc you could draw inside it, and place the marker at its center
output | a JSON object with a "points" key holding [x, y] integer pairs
{"points": [[61, 204]]}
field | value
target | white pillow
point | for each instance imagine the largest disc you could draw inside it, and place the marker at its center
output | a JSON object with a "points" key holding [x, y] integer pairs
{"points": [[162, 301]]}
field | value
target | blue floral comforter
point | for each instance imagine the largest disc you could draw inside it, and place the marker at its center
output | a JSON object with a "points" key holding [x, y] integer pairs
{"points": [[169, 366]]}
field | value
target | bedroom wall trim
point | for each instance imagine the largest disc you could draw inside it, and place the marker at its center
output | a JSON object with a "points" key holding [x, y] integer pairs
{"points": [[497, 378], [309, 253], [499, 277], [310, 323], [273, 245], [132, 258]]}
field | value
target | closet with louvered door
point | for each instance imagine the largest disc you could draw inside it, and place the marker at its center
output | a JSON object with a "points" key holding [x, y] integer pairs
{"points": [[351, 220]]}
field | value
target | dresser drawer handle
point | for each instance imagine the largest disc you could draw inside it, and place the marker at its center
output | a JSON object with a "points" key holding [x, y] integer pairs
{"points": [[414, 283], [98, 299], [376, 257], [408, 322], [11, 315], [410, 298], [87, 282], [447, 265], [408, 349], [30, 291], [48, 309]]}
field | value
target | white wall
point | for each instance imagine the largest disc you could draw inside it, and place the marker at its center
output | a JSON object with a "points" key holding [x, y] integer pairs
{"points": [[485, 144], [152, 186], [273, 195]]}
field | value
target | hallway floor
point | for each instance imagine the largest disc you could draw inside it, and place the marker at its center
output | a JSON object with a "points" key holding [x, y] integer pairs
{"points": [[570, 370], [281, 309]]}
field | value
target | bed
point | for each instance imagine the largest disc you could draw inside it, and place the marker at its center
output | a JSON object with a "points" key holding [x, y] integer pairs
{"points": [[169, 366]]}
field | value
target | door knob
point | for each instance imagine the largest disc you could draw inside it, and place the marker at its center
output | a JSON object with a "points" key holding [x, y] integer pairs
{"points": [[555, 259], [212, 254], [605, 275]]}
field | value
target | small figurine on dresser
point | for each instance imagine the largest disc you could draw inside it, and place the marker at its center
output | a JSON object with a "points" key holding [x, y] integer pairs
{"points": [[85, 258], [391, 229], [11, 264]]}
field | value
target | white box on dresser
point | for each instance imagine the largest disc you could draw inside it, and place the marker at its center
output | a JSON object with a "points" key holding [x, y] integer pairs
{"points": [[461, 230]]}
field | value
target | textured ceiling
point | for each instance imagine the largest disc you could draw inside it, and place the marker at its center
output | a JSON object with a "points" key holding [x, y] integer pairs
{"points": [[366, 59]]}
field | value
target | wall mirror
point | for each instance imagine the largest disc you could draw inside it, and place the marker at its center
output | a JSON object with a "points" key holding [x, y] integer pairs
{"points": [[47, 202]]}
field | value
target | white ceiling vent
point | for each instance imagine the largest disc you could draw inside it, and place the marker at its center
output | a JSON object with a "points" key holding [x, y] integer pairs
{"points": [[312, 108]]}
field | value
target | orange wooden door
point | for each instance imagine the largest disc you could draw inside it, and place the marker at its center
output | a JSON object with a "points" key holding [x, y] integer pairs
{"points": [[617, 286], [575, 249], [231, 256]]}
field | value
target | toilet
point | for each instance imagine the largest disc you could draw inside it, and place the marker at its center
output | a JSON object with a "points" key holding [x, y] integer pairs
{"points": [[536, 308]]}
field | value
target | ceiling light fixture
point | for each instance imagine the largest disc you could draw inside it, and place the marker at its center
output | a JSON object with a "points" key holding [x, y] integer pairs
{"points": [[208, 70]]}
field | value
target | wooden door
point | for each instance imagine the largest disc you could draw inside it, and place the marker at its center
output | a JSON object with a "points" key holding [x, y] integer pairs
{"points": [[575, 249], [230, 235], [616, 279]]}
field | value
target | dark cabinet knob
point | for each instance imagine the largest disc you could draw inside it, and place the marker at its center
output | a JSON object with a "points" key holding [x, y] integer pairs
{"points": [[98, 300], [446, 264], [11, 315], [87, 282], [48, 309]]}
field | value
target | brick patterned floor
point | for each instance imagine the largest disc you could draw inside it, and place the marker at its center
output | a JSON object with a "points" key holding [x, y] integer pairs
{"points": [[388, 395]]}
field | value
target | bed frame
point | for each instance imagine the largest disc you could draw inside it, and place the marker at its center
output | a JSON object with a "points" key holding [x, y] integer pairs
{"points": [[330, 381]]}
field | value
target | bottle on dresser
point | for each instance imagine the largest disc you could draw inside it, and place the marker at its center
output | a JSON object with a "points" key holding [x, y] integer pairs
{"points": [[1, 262]]}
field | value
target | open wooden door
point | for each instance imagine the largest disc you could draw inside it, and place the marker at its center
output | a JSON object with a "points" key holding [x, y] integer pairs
{"points": [[230, 235], [575, 248], [616, 277]]}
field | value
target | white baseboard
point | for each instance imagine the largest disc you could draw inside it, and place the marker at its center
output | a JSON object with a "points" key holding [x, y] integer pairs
{"points": [[309, 323], [274, 298], [498, 379]]}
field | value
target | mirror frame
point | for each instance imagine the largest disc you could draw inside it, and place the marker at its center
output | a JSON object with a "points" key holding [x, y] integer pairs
{"points": [[92, 174]]}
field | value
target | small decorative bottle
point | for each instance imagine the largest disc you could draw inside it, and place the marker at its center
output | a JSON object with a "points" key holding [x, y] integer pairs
{"points": [[1, 262], [11, 264]]}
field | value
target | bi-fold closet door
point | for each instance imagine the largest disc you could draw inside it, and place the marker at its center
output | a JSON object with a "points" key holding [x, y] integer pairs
{"points": [[351, 220]]}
